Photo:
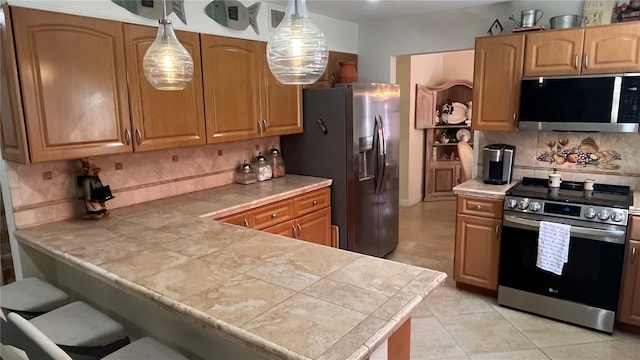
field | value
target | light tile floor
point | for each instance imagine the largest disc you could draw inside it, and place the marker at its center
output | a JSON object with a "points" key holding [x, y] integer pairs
{"points": [[455, 324]]}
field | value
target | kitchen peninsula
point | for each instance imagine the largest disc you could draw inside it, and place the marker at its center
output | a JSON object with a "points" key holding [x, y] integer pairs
{"points": [[214, 290]]}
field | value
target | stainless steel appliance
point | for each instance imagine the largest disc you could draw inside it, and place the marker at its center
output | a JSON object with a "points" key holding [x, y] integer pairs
{"points": [[351, 135], [607, 103], [586, 293], [497, 163]]}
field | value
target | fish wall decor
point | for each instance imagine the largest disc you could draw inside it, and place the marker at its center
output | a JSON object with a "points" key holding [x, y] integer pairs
{"points": [[152, 9], [233, 14]]}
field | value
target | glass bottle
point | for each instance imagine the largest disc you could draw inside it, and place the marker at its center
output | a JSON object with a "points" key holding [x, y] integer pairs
{"points": [[244, 174], [276, 161], [263, 170]]}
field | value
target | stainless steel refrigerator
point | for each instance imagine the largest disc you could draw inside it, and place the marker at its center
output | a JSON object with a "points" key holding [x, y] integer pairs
{"points": [[351, 135]]}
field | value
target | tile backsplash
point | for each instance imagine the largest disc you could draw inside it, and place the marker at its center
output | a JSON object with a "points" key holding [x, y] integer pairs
{"points": [[46, 192], [607, 157]]}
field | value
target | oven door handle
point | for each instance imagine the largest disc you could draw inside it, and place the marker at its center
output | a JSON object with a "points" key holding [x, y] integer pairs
{"points": [[612, 236]]}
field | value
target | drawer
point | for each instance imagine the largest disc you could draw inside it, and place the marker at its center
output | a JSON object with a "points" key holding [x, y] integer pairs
{"points": [[239, 219], [272, 214], [634, 233], [310, 202], [491, 208]]}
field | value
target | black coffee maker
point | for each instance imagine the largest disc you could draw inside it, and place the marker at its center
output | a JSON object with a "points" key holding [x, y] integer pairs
{"points": [[497, 163]]}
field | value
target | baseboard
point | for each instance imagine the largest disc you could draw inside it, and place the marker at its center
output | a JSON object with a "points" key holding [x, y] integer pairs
{"points": [[407, 203]]}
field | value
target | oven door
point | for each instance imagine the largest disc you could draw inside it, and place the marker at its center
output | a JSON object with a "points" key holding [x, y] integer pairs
{"points": [[592, 275]]}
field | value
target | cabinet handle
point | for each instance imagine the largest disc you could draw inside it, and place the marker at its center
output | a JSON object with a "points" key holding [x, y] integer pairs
{"points": [[586, 61], [633, 255], [295, 233], [273, 216], [497, 231], [245, 222], [264, 122], [260, 127], [577, 61], [514, 117], [299, 229], [315, 202], [127, 136], [478, 207], [138, 136]]}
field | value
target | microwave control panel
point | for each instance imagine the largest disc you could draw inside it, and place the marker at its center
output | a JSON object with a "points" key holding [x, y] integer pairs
{"points": [[629, 111]]}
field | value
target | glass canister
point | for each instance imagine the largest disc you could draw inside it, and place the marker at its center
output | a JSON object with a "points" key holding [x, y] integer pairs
{"points": [[262, 168], [276, 161], [244, 174]]}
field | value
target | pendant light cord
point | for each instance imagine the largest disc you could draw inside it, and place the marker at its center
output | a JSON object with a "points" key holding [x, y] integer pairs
{"points": [[164, 10]]}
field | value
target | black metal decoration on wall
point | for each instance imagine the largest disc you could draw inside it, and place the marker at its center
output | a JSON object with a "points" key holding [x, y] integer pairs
{"points": [[496, 28], [152, 9]]}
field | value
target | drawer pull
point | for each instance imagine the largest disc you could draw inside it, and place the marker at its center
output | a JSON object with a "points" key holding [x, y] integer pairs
{"points": [[315, 202], [273, 216], [478, 207], [245, 222]]}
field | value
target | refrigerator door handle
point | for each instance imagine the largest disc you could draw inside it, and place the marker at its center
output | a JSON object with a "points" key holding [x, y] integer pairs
{"points": [[377, 151], [382, 154]]}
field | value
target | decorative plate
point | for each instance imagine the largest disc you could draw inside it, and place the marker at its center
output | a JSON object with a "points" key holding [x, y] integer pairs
{"points": [[461, 133]]}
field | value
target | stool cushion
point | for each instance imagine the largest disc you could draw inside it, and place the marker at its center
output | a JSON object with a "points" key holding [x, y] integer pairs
{"points": [[78, 324], [145, 348], [32, 294]]}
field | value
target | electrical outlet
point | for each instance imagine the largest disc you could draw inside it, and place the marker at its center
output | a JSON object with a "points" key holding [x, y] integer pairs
{"points": [[219, 152], [257, 147], [47, 175], [174, 158], [118, 166]]}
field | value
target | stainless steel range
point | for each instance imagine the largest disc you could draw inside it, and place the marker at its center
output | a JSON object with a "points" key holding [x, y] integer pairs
{"points": [[587, 290]]}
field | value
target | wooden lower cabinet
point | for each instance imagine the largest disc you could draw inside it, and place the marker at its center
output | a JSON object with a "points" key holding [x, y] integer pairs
{"points": [[304, 217], [629, 312], [444, 179], [315, 227], [477, 248]]}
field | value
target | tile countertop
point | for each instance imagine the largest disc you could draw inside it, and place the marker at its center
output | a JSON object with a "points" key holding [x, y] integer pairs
{"points": [[477, 187], [284, 297]]}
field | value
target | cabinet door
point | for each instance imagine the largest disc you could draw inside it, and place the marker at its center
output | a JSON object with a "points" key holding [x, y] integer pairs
{"points": [[630, 297], [443, 181], [239, 219], [14, 134], [477, 251], [287, 228], [315, 227], [425, 107], [231, 88], [496, 82], [281, 104], [612, 49], [74, 84], [163, 119], [553, 53]]}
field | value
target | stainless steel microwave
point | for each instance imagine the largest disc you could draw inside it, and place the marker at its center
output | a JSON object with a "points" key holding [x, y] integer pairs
{"points": [[607, 103]]}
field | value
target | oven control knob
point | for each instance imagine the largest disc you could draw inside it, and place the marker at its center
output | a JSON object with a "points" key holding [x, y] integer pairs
{"points": [[617, 216], [512, 203], [523, 204], [590, 213], [534, 206], [604, 215]]}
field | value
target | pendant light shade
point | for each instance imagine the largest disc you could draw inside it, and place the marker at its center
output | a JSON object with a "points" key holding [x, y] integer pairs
{"points": [[167, 64], [297, 53]]}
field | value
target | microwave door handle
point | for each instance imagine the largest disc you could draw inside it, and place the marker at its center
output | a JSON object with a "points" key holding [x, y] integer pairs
{"points": [[613, 236]]}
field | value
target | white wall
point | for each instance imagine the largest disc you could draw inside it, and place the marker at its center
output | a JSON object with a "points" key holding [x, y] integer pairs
{"points": [[341, 35]]}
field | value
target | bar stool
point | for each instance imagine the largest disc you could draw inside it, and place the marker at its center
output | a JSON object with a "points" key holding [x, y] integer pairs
{"points": [[31, 297], [79, 329], [38, 346]]}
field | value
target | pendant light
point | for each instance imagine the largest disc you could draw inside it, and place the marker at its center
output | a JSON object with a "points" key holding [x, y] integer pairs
{"points": [[167, 64], [297, 53]]}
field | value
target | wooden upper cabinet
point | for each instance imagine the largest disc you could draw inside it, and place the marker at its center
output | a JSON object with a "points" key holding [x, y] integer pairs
{"points": [[74, 86], [281, 104], [230, 71], [14, 135], [612, 49], [163, 119], [553, 53], [496, 80]]}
